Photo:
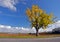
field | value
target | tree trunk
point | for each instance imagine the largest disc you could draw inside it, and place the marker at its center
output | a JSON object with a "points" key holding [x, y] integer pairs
{"points": [[36, 27], [37, 32]]}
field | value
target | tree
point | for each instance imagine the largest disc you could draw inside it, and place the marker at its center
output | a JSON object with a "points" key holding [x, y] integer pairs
{"points": [[39, 18]]}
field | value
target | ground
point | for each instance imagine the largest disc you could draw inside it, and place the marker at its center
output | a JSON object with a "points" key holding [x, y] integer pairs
{"points": [[42, 35]]}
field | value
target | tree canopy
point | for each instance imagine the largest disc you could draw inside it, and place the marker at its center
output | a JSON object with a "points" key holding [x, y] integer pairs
{"points": [[38, 15], [39, 18]]}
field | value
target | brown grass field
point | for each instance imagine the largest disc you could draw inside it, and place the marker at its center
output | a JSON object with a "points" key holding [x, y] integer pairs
{"points": [[41, 35]]}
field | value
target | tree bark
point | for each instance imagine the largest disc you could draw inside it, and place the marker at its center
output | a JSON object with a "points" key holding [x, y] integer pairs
{"points": [[37, 32], [36, 27]]}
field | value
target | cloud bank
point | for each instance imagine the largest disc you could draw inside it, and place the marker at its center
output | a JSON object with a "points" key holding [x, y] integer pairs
{"points": [[9, 29]]}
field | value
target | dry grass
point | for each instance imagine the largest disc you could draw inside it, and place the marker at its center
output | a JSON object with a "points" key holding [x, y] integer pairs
{"points": [[43, 35]]}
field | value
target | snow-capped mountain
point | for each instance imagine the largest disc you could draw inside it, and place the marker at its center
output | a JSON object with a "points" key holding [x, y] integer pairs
{"points": [[10, 29]]}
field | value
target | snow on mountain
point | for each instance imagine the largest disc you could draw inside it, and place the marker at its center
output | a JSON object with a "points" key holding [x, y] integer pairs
{"points": [[10, 29]]}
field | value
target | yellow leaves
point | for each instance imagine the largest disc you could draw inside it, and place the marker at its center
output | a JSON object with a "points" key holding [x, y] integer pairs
{"points": [[39, 17], [35, 9], [40, 11], [28, 11]]}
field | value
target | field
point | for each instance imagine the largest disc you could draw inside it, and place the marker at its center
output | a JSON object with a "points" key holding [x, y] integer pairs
{"points": [[42, 35]]}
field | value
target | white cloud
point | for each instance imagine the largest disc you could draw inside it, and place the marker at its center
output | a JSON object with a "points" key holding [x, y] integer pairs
{"points": [[9, 29], [8, 4]]}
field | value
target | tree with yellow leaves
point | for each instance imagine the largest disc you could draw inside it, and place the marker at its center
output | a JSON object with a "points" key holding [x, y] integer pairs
{"points": [[39, 18]]}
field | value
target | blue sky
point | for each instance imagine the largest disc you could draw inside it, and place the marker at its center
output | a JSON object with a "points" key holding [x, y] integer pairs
{"points": [[13, 12]]}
